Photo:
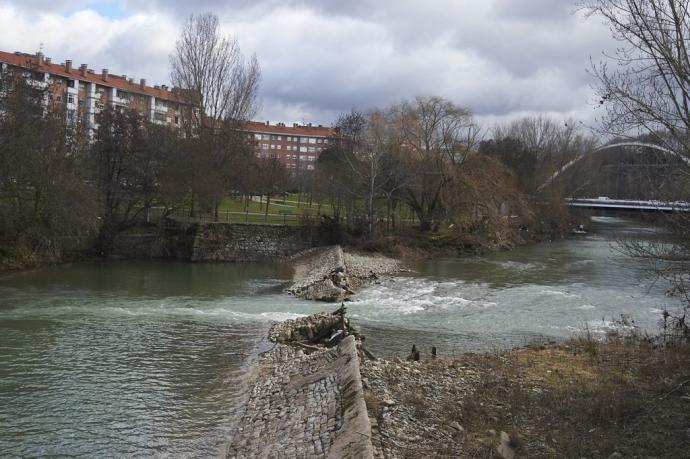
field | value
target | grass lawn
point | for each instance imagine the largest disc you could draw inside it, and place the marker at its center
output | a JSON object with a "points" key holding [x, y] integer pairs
{"points": [[281, 210]]}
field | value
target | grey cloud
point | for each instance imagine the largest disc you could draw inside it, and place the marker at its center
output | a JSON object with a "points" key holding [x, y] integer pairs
{"points": [[40, 6], [319, 58], [534, 10]]}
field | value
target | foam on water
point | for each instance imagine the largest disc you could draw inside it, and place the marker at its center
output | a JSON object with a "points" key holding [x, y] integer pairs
{"points": [[407, 295], [521, 267], [560, 293]]}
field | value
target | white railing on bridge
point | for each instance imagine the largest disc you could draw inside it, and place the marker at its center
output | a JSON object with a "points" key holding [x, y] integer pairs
{"points": [[625, 204]]}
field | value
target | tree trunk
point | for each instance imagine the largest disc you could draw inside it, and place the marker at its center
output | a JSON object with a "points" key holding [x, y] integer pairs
{"points": [[105, 240], [425, 224], [191, 207]]}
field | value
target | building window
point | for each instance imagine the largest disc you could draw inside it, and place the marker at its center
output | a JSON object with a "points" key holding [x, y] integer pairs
{"points": [[257, 136], [70, 83], [319, 140], [312, 150], [266, 137], [303, 149], [273, 147], [122, 94], [70, 98], [264, 146], [310, 167], [279, 147]]}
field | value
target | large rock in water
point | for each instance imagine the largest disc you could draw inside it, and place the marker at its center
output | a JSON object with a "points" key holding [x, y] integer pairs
{"points": [[325, 290], [314, 273]]}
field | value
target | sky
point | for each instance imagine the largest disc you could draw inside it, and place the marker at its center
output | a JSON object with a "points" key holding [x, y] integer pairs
{"points": [[502, 59]]}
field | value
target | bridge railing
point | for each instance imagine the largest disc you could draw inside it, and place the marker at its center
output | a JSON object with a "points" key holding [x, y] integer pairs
{"points": [[607, 203]]}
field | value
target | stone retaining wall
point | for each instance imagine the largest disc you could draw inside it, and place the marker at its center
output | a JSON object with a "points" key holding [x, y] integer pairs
{"points": [[172, 240], [233, 242], [244, 243], [305, 406]]}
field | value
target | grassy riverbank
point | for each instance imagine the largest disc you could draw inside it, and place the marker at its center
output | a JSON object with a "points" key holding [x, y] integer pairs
{"points": [[623, 397]]}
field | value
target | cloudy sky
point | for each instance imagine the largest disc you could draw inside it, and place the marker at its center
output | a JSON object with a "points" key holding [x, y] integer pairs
{"points": [[501, 58]]}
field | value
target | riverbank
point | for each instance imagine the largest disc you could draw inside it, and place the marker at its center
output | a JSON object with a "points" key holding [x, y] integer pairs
{"points": [[624, 397], [241, 242]]}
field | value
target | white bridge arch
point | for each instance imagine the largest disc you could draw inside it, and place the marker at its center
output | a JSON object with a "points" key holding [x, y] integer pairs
{"points": [[668, 151]]}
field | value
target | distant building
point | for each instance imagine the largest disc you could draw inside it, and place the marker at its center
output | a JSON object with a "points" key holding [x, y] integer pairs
{"points": [[297, 146], [83, 93]]}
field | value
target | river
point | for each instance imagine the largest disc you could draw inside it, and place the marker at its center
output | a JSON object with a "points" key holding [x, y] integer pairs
{"points": [[137, 358]]}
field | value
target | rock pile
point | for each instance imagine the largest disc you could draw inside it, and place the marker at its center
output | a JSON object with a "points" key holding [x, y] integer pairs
{"points": [[320, 276], [408, 409], [361, 268], [330, 274], [314, 329]]}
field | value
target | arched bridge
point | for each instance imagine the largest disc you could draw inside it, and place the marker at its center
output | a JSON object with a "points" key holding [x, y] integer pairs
{"points": [[665, 150]]}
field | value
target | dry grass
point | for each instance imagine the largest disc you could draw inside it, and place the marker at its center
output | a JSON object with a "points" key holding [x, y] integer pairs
{"points": [[578, 399], [583, 399]]}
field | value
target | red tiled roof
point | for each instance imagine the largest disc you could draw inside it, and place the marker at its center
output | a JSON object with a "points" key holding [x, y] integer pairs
{"points": [[28, 61], [264, 128]]}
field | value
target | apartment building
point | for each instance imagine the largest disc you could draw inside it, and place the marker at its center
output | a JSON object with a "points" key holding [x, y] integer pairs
{"points": [[83, 93], [297, 146]]}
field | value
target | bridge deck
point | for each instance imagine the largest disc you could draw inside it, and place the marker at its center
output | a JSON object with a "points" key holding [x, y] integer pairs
{"points": [[621, 204]]}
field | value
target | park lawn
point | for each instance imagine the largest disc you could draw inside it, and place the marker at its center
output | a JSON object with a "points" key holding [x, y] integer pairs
{"points": [[277, 206]]}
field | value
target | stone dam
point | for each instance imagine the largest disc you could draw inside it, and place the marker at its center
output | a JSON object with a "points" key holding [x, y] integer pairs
{"points": [[308, 399]]}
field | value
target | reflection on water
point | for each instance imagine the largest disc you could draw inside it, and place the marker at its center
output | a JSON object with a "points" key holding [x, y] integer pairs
{"points": [[146, 358]]}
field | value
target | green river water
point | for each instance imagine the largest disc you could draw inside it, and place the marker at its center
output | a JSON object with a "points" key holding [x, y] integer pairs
{"points": [[135, 358]]}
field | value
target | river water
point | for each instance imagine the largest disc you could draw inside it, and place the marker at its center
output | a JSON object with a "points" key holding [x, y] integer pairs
{"points": [[134, 358]]}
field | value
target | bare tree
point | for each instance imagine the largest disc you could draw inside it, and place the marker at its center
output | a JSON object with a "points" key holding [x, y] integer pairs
{"points": [[645, 85], [271, 178], [44, 199], [645, 89], [368, 143], [541, 146], [435, 135], [212, 72], [124, 172]]}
